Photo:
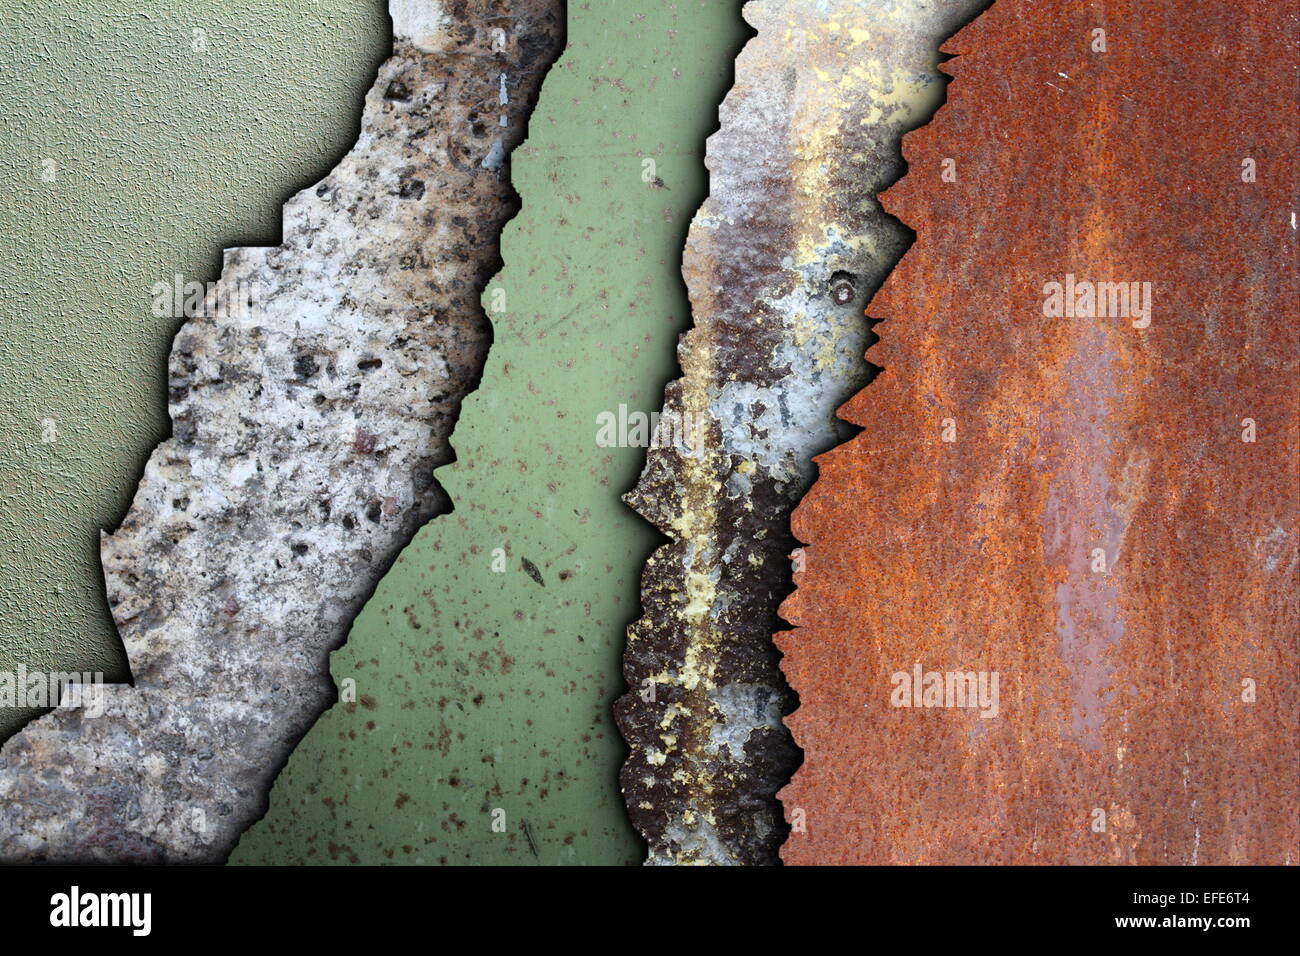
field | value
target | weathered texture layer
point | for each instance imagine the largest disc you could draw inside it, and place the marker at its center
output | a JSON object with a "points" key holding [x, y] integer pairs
{"points": [[308, 413], [779, 262], [487, 659], [101, 203], [1100, 509]]}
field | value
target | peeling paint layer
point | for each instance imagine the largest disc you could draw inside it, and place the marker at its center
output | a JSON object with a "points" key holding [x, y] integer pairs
{"points": [[123, 164], [779, 262], [1049, 612], [486, 662], [309, 408]]}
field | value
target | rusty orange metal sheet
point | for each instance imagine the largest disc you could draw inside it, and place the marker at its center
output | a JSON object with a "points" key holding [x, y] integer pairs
{"points": [[1049, 606]]}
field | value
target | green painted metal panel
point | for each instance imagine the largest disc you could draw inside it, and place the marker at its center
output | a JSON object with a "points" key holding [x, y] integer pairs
{"points": [[486, 662]]}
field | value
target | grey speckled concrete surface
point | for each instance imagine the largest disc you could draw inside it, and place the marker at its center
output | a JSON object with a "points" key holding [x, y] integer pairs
{"points": [[137, 139], [309, 409]]}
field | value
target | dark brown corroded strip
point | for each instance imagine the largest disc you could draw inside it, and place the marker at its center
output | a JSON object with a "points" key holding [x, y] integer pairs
{"points": [[779, 262]]}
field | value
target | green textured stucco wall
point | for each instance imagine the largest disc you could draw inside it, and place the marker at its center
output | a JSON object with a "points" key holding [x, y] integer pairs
{"points": [[485, 696], [132, 148]]}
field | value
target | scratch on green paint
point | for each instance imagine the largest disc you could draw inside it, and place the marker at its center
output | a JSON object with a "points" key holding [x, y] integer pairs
{"points": [[483, 696]]}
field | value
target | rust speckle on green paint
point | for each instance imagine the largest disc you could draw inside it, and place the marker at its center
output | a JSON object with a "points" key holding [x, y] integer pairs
{"points": [[494, 715]]}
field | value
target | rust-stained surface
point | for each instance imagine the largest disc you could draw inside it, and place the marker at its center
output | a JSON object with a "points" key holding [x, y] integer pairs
{"points": [[779, 262], [1101, 534]]}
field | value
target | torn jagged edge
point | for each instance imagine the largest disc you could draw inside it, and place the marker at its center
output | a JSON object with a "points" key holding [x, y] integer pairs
{"points": [[918, 810], [790, 183], [228, 650], [952, 49]]}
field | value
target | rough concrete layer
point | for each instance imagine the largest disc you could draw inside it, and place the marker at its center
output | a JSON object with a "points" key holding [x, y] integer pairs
{"points": [[779, 262], [1100, 509], [308, 413], [101, 202], [488, 658]]}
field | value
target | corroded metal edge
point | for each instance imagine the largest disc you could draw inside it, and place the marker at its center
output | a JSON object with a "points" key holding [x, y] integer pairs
{"points": [[1098, 506], [779, 262]]}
